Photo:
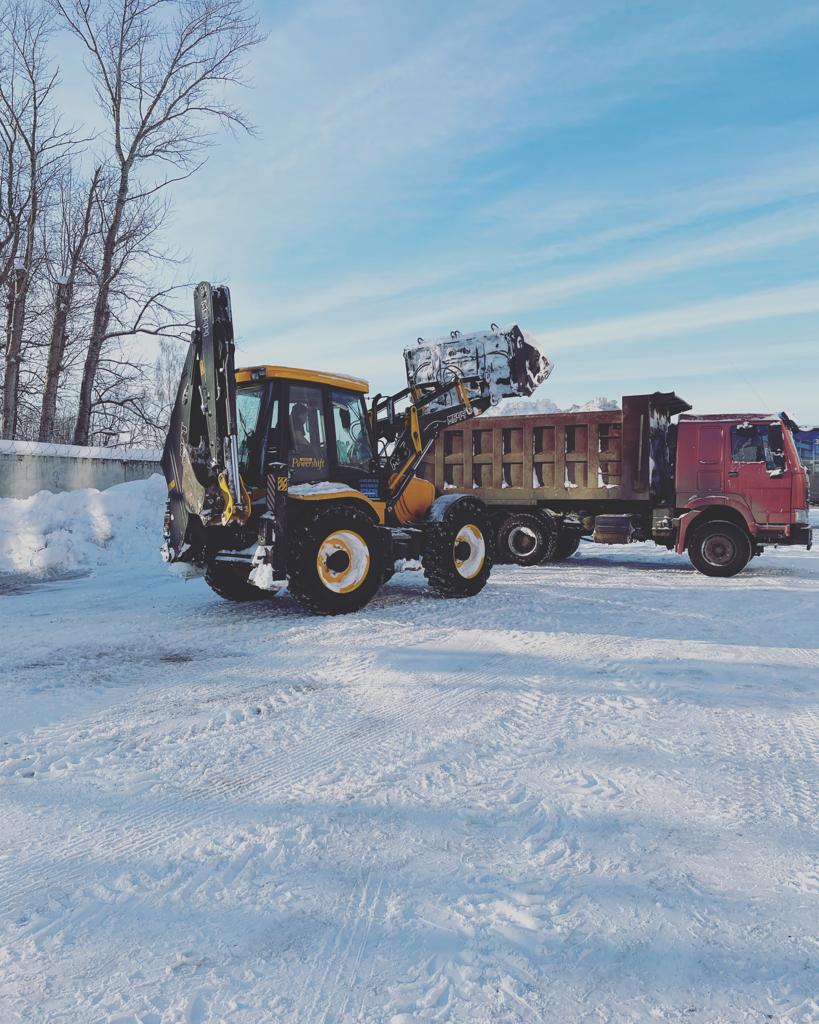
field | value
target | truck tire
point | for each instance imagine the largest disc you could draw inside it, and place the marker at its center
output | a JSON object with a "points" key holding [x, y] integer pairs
{"points": [[336, 560], [229, 581], [720, 549], [525, 539], [459, 549], [567, 544]]}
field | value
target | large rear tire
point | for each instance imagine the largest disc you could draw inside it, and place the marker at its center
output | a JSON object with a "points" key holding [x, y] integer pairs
{"points": [[336, 560], [459, 550], [229, 581], [524, 539], [720, 549]]}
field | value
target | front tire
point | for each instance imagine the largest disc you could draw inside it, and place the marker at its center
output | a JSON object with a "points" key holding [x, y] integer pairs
{"points": [[459, 548], [720, 549], [336, 561]]}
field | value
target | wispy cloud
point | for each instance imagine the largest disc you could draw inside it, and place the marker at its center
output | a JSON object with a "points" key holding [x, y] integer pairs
{"points": [[792, 300], [611, 173]]}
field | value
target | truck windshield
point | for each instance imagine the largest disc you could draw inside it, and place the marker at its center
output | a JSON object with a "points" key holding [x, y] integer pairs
{"points": [[759, 442], [353, 448]]}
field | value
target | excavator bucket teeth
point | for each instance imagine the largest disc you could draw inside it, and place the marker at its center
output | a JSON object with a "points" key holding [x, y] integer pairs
{"points": [[509, 363]]}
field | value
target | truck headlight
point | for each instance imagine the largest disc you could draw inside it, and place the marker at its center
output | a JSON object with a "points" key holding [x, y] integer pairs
{"points": [[800, 515]]}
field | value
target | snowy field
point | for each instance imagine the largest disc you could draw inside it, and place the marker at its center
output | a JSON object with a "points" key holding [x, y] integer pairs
{"points": [[588, 795]]}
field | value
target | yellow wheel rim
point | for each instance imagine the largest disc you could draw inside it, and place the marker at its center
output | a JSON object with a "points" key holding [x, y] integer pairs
{"points": [[469, 551], [343, 561]]}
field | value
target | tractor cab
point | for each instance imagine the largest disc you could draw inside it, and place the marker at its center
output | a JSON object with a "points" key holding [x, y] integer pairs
{"points": [[314, 423]]}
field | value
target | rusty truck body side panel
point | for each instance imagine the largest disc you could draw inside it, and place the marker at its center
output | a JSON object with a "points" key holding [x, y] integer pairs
{"points": [[557, 458]]}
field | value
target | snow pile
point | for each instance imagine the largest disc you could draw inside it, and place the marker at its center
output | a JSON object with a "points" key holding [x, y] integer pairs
{"points": [[542, 405], [81, 529], [599, 404], [76, 451]]}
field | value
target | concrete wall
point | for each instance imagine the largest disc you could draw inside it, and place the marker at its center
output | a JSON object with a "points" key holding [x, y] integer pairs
{"points": [[27, 467]]}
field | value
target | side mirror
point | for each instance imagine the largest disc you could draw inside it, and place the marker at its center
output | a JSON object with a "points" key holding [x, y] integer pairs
{"points": [[345, 417]]}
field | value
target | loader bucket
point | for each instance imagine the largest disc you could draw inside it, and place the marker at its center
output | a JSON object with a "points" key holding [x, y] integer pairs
{"points": [[508, 361]]}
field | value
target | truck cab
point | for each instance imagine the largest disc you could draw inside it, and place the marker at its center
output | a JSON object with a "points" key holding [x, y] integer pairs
{"points": [[744, 470]]}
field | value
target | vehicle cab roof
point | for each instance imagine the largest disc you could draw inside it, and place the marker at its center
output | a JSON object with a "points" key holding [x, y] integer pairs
{"points": [[736, 417], [336, 380]]}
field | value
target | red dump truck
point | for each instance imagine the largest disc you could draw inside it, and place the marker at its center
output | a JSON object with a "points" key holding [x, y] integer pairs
{"points": [[719, 487]]}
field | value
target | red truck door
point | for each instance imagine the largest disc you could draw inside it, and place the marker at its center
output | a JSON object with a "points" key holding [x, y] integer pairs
{"points": [[757, 470], [710, 458]]}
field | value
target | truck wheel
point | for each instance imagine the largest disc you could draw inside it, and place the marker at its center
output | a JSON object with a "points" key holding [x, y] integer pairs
{"points": [[567, 544], [336, 561], [458, 552], [525, 540], [719, 549], [229, 580]]}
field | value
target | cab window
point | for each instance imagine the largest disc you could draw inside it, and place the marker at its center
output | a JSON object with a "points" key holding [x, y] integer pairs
{"points": [[248, 403], [353, 448], [758, 442], [308, 438]]}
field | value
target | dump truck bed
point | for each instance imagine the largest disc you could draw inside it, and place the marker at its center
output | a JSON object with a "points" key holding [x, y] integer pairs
{"points": [[608, 455]]}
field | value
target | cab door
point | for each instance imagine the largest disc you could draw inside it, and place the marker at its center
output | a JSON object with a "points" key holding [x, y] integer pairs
{"points": [[758, 472], [307, 433]]}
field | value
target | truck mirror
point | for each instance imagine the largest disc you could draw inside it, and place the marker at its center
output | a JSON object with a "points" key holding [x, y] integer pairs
{"points": [[345, 417]]}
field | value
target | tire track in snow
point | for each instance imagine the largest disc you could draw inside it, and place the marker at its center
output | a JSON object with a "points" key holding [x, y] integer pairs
{"points": [[267, 777]]}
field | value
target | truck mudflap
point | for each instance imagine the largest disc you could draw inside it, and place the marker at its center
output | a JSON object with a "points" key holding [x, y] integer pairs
{"points": [[508, 362], [685, 522], [200, 459]]}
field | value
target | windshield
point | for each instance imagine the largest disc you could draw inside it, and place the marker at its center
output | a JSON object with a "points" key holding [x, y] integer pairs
{"points": [[759, 442], [352, 436], [248, 401]]}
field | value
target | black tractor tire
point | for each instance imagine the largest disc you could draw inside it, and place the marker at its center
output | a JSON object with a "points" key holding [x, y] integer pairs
{"points": [[459, 550], [229, 581], [567, 543], [720, 549], [524, 539], [497, 525], [350, 537]]}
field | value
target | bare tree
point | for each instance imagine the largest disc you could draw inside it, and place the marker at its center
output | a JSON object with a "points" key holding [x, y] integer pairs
{"points": [[32, 128], [76, 214], [167, 371], [161, 72], [12, 199]]}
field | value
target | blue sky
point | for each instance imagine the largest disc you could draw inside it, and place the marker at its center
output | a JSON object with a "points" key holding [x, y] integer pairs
{"points": [[637, 183]]}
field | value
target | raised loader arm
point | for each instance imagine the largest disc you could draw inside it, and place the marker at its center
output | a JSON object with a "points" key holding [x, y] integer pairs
{"points": [[451, 379], [201, 455]]}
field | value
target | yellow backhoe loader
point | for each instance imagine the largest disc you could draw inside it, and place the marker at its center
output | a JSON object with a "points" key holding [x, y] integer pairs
{"points": [[286, 477]]}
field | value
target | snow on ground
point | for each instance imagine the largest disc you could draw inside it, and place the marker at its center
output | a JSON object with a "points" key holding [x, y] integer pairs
{"points": [[587, 795], [76, 530]]}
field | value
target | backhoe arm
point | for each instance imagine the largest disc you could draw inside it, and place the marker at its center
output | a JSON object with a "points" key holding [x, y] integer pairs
{"points": [[201, 455]]}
